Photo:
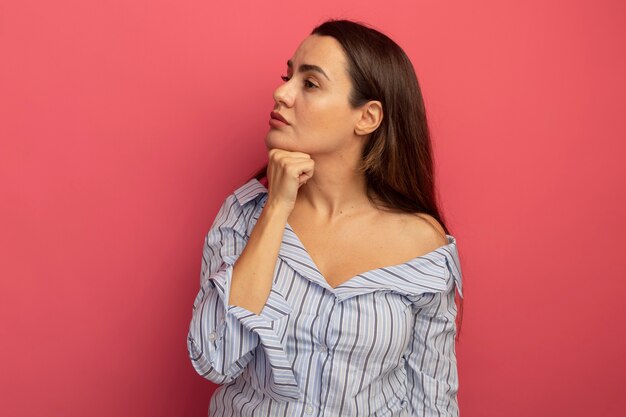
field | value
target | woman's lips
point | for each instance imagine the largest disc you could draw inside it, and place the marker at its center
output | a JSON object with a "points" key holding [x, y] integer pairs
{"points": [[277, 123], [278, 116]]}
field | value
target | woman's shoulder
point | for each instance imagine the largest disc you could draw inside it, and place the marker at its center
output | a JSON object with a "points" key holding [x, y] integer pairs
{"points": [[240, 203], [430, 226], [241, 208], [418, 230]]}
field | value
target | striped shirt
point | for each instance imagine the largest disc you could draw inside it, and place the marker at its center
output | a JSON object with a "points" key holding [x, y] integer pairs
{"points": [[379, 344]]}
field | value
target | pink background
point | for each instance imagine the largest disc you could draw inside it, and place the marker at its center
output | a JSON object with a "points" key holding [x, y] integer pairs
{"points": [[124, 124]]}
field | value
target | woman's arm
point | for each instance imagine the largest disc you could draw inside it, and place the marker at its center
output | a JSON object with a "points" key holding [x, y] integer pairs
{"points": [[254, 270], [236, 308], [222, 336]]}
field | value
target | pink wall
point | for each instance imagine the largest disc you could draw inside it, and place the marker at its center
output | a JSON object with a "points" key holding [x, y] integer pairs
{"points": [[124, 124]]}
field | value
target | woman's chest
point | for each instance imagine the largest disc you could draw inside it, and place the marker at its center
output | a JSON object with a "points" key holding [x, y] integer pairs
{"points": [[346, 249]]}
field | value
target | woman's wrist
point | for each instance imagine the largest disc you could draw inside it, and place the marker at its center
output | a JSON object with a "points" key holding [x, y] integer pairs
{"points": [[275, 209]]}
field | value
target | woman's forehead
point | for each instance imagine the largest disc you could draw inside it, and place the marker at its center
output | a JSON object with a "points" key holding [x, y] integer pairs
{"points": [[321, 51]]}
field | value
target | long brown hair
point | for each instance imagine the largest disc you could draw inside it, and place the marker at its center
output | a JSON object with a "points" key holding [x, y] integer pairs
{"points": [[397, 158]]}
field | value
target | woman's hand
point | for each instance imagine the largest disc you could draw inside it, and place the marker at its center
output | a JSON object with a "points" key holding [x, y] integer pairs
{"points": [[286, 172]]}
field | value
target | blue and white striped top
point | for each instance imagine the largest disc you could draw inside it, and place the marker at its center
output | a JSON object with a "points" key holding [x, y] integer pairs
{"points": [[379, 344]]}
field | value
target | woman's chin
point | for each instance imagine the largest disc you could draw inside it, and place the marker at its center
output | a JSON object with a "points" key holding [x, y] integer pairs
{"points": [[272, 142]]}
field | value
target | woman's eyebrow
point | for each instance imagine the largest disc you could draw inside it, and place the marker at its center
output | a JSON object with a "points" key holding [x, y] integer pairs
{"points": [[308, 67]]}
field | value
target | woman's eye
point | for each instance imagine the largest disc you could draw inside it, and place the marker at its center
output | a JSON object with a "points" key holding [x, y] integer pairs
{"points": [[308, 83]]}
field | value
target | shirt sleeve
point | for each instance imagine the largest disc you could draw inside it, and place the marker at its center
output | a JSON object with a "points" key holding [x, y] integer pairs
{"points": [[432, 378], [222, 337]]}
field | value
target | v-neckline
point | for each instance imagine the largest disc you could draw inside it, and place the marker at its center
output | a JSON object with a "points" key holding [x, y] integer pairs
{"points": [[385, 268]]}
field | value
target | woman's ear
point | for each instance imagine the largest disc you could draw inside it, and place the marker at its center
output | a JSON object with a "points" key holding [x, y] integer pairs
{"points": [[370, 117]]}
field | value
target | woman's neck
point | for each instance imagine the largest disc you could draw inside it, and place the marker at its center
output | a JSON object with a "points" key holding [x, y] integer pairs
{"points": [[335, 189]]}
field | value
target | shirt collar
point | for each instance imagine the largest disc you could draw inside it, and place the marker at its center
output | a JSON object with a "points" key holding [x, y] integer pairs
{"points": [[249, 191], [436, 271]]}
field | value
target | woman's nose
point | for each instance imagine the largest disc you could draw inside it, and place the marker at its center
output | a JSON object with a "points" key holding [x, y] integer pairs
{"points": [[282, 94]]}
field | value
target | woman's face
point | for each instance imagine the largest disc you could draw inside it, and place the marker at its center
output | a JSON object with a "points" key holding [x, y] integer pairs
{"points": [[315, 104]]}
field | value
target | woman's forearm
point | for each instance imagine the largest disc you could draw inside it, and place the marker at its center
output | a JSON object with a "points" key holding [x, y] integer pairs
{"points": [[253, 272]]}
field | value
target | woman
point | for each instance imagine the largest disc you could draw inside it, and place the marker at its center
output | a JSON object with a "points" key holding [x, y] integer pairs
{"points": [[330, 291]]}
